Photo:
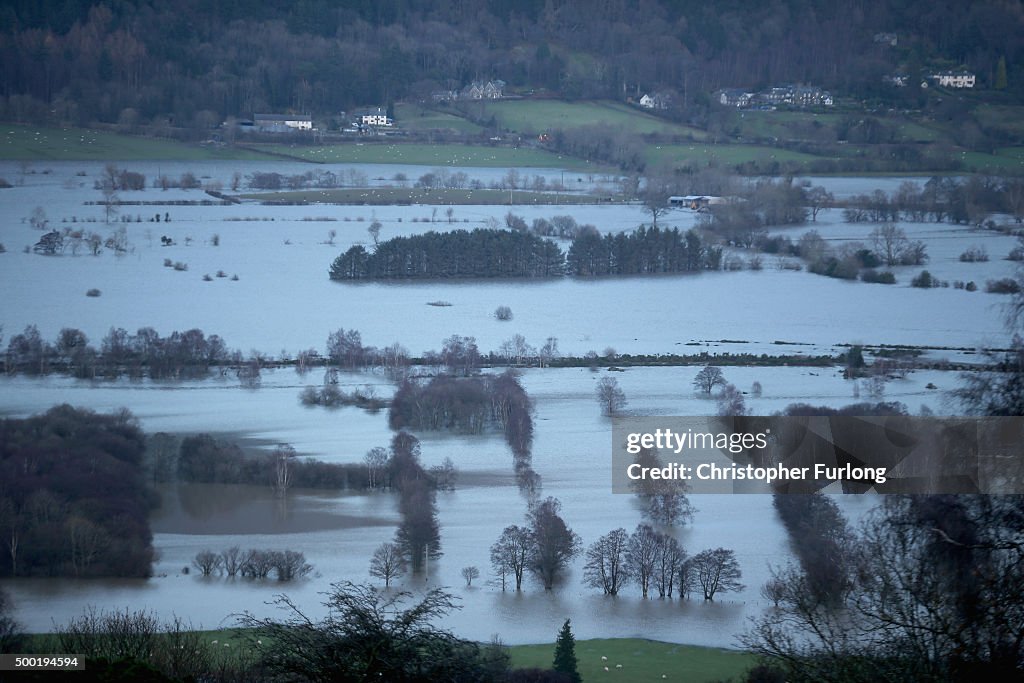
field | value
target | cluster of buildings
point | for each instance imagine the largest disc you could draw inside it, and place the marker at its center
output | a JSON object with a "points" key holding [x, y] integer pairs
{"points": [[477, 90], [791, 95], [961, 78]]}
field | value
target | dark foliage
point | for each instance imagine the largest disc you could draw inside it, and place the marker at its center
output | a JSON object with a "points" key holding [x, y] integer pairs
{"points": [[73, 498], [643, 251], [368, 635], [194, 63], [820, 538], [457, 254], [565, 654]]}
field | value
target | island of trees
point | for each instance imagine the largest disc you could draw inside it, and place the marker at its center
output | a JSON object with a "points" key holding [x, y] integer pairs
{"points": [[509, 253]]}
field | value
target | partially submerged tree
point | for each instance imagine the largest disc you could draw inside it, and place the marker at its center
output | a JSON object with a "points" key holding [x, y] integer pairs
{"points": [[610, 396], [554, 543], [716, 571], [605, 567], [388, 563], [708, 378]]}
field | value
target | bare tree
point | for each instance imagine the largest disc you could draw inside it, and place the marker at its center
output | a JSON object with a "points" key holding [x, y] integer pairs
{"points": [[717, 571], [374, 231], [708, 378], [670, 558], [470, 573], [510, 554], [819, 198], [207, 562], [283, 456], [605, 567], [376, 460], [642, 553], [611, 398], [731, 402], [231, 561], [388, 563]]}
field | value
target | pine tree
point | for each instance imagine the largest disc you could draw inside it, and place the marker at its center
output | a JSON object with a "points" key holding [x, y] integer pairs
{"points": [[565, 654], [1001, 74]]}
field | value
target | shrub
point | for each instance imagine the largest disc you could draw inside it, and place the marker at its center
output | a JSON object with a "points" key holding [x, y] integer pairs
{"points": [[924, 280], [974, 255], [1006, 285], [178, 265], [92, 292], [884, 277], [207, 278], [1016, 254], [971, 287], [168, 263], [503, 313]]}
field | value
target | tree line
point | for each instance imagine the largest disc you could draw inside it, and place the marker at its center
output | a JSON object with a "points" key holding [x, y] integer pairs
{"points": [[73, 496], [195, 64], [485, 253]]}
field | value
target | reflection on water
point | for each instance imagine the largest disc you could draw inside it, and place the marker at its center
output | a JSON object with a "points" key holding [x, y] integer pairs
{"points": [[246, 509]]}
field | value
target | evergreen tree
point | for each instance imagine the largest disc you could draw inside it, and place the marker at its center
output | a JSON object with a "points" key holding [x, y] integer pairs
{"points": [[565, 654]]}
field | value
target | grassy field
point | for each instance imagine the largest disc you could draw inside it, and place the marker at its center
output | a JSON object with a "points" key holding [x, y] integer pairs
{"points": [[535, 116], [725, 154], [428, 155], [384, 196], [33, 143], [642, 660], [1004, 160], [415, 117]]}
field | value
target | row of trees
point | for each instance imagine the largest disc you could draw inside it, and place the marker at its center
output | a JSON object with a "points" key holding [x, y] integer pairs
{"points": [[652, 559], [73, 496], [286, 565], [177, 356], [968, 200]]}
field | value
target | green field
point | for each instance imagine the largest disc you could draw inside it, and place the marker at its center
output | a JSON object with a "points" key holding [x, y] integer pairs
{"points": [[415, 117], [389, 196], [1004, 160], [725, 154], [531, 117], [428, 155], [34, 143], [642, 660]]}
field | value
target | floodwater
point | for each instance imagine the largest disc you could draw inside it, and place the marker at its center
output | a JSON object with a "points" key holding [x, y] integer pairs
{"points": [[283, 302]]}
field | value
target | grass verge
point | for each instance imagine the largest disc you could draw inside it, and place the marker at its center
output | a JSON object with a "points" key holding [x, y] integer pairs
{"points": [[642, 660]]}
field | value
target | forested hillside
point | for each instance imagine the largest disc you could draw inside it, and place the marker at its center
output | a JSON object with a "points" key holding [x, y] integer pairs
{"points": [[193, 63]]}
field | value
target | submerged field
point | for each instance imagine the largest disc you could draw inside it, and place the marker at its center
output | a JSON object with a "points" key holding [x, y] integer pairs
{"points": [[283, 302]]}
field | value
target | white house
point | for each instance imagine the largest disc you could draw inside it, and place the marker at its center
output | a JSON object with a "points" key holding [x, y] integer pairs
{"points": [[376, 117], [281, 123], [953, 79], [654, 101]]}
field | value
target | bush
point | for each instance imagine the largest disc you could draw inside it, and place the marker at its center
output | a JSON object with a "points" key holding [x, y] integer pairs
{"points": [[207, 278], [974, 255], [1016, 254], [884, 277], [924, 280], [92, 292], [503, 313], [971, 287], [1006, 285]]}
